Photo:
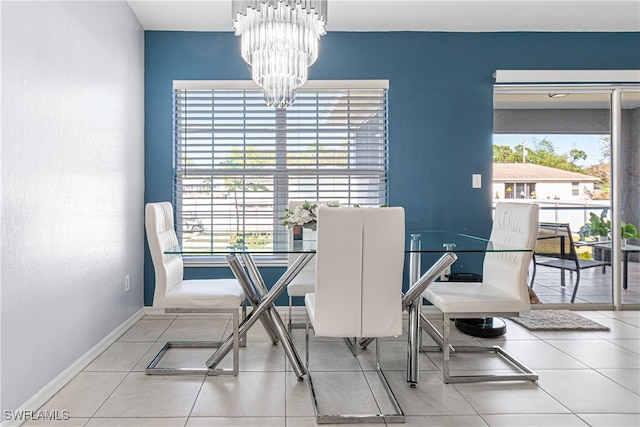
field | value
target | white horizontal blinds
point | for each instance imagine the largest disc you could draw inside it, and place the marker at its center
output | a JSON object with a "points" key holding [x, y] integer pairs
{"points": [[336, 146], [238, 162]]}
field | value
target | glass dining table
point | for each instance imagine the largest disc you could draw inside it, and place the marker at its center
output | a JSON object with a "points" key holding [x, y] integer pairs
{"points": [[241, 259]]}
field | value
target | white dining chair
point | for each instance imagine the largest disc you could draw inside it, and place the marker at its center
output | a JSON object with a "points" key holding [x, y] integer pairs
{"points": [[358, 290], [502, 292], [173, 294]]}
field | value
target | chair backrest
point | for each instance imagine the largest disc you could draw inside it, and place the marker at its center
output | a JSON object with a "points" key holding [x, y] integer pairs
{"points": [[555, 240], [382, 267], [161, 236], [359, 263], [515, 225]]}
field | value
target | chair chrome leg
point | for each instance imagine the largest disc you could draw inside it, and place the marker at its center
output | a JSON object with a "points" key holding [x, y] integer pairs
{"points": [[445, 345], [236, 343], [434, 334], [394, 417], [522, 372], [243, 339], [398, 416], [153, 368], [306, 338], [353, 345], [290, 311], [291, 326]]}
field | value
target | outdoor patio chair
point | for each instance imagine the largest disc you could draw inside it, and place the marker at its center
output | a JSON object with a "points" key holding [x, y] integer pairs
{"points": [[555, 248]]}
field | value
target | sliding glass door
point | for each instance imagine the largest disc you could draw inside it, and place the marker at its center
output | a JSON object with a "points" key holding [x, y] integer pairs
{"points": [[565, 148], [629, 183]]}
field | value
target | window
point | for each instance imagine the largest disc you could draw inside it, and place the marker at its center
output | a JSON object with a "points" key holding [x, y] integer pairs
{"points": [[575, 188], [520, 190], [239, 162]]}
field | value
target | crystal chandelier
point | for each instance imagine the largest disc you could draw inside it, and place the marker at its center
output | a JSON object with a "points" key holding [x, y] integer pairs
{"points": [[279, 40]]}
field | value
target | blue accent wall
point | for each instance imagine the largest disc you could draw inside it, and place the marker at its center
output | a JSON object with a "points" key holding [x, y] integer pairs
{"points": [[440, 109]]}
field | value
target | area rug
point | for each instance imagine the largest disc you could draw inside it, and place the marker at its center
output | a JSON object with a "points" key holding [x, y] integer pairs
{"points": [[556, 320]]}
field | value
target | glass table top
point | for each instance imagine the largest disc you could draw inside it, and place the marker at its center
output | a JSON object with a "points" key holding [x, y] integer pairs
{"points": [[422, 241]]}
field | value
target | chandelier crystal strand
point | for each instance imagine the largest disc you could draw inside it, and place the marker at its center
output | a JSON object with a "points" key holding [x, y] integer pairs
{"points": [[279, 40]]}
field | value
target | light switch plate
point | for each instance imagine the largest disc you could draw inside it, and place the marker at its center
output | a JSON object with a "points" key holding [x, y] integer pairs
{"points": [[476, 181]]}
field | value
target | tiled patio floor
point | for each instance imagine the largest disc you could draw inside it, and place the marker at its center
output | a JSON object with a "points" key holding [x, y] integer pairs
{"points": [[594, 287]]}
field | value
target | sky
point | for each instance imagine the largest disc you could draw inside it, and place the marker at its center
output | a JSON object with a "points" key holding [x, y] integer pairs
{"points": [[590, 144]]}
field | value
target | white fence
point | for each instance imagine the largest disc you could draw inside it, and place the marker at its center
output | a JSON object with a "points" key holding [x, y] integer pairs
{"points": [[576, 213]]}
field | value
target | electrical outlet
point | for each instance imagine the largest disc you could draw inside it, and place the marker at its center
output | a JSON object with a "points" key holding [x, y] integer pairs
{"points": [[127, 283], [444, 276]]}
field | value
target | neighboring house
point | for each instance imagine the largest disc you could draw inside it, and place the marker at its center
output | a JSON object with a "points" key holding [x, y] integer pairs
{"points": [[531, 181]]}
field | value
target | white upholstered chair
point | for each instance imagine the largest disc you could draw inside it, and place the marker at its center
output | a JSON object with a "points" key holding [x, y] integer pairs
{"points": [[502, 292], [175, 295], [305, 281], [358, 292]]}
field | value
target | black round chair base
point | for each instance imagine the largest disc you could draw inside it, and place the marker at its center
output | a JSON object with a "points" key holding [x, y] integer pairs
{"points": [[489, 327]]}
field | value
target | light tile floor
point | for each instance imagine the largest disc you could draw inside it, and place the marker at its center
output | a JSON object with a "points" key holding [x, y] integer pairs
{"points": [[586, 379]]}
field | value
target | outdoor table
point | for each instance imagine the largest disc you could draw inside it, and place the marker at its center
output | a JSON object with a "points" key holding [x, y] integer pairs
{"points": [[626, 250]]}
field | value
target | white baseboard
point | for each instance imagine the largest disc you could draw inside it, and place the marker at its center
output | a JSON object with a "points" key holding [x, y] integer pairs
{"points": [[283, 310], [48, 391], [153, 311]]}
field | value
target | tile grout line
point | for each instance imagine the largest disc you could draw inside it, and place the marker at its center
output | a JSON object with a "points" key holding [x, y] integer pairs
{"points": [[131, 369], [291, 419]]}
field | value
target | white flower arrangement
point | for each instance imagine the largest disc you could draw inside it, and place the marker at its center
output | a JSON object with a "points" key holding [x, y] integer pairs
{"points": [[304, 215]]}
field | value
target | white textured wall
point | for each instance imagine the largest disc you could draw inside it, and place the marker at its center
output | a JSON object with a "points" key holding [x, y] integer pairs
{"points": [[72, 184]]}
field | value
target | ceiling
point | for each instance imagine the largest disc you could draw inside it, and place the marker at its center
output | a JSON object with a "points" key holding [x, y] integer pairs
{"points": [[429, 15], [414, 15]]}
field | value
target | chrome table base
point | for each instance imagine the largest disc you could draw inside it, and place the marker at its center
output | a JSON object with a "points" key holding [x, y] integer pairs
{"points": [[412, 301], [263, 307]]}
